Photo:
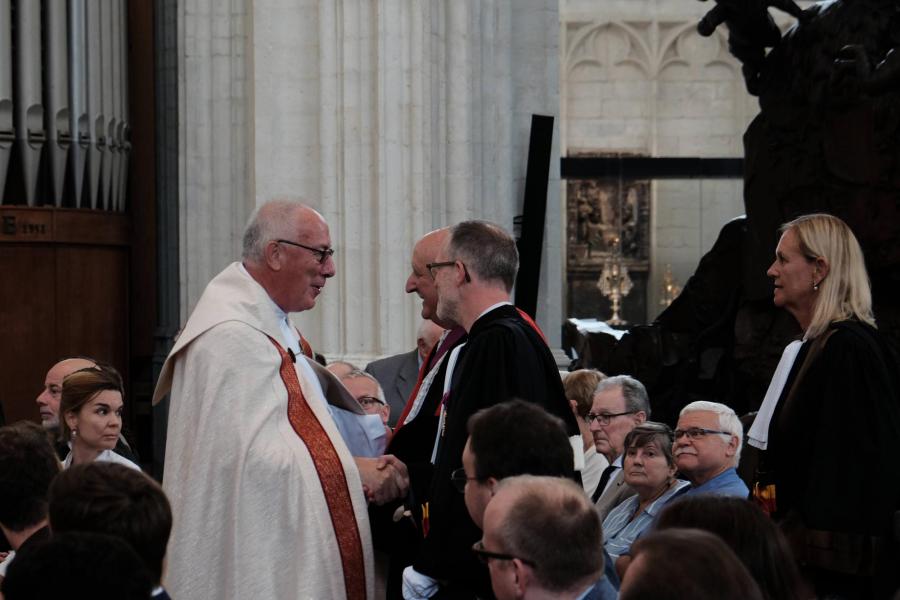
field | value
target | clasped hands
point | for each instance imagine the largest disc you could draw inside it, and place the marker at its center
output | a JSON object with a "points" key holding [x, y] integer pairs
{"points": [[384, 478]]}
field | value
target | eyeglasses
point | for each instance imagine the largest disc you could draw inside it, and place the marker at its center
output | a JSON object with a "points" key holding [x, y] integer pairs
{"points": [[695, 433], [459, 479], [485, 555], [369, 401], [605, 418], [321, 254], [437, 265]]}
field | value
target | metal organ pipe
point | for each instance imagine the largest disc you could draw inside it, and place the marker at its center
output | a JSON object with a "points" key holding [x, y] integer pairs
{"points": [[29, 107], [58, 124]]}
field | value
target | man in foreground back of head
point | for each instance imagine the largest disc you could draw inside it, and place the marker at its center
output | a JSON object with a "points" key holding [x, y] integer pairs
{"points": [[28, 463], [542, 539], [112, 499]]}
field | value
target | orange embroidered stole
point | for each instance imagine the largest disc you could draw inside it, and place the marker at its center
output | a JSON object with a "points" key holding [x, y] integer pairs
{"points": [[331, 476]]}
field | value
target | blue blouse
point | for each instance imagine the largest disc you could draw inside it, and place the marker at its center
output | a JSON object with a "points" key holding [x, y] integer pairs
{"points": [[619, 530]]}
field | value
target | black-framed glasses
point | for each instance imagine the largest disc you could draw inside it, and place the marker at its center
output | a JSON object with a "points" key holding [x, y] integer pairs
{"points": [[322, 254], [605, 418], [370, 400], [486, 555], [437, 265], [695, 433], [459, 479]]}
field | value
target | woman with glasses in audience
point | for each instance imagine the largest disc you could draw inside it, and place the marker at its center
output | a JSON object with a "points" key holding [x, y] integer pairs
{"points": [[91, 410], [650, 470], [830, 420]]}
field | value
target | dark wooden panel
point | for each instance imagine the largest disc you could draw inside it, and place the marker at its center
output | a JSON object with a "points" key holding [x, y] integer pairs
{"points": [[92, 306], [27, 326]]}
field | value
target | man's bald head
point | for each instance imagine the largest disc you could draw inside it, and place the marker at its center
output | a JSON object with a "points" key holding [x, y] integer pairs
{"points": [[48, 399], [420, 280], [287, 250]]}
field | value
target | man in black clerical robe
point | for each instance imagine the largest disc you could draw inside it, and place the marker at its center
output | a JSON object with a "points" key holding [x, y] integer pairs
{"points": [[505, 357]]}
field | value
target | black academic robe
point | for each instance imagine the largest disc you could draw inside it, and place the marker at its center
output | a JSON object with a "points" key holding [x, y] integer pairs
{"points": [[504, 358], [412, 443], [834, 449]]}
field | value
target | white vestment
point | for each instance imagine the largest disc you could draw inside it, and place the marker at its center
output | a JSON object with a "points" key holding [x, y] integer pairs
{"points": [[250, 516]]}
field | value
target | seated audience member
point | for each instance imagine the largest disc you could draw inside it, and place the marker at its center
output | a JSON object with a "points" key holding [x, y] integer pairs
{"points": [[708, 447], [749, 532], [78, 565], [580, 386], [686, 563], [619, 405], [509, 439], [650, 471], [115, 500], [541, 540], [367, 391], [340, 368], [28, 464], [91, 409], [49, 398], [398, 374]]}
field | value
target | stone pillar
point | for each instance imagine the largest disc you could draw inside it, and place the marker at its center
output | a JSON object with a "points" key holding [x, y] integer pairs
{"points": [[392, 118], [213, 139]]}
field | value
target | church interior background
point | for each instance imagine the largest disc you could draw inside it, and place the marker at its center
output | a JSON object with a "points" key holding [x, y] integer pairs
{"points": [[136, 137]]}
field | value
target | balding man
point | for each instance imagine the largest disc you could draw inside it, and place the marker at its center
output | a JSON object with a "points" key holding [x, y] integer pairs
{"points": [[267, 499], [505, 356], [542, 539], [48, 404]]}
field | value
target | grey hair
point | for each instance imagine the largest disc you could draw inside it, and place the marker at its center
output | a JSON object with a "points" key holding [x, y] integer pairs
{"points": [[634, 392], [728, 421], [353, 374], [487, 250], [270, 221]]}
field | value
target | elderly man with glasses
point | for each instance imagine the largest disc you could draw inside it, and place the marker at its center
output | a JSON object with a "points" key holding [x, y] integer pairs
{"points": [[707, 449], [620, 404], [269, 459]]}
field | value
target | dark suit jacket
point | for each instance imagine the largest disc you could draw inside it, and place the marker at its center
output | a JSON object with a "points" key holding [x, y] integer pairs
{"points": [[397, 375]]}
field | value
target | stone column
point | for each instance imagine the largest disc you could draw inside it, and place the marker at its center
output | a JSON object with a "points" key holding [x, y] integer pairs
{"points": [[392, 118]]}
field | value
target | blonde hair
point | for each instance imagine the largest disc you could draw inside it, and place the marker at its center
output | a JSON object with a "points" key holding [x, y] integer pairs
{"points": [[845, 292]]}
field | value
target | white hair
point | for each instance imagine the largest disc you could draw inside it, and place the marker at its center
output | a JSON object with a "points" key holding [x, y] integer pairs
{"points": [[360, 373], [728, 421], [270, 221]]}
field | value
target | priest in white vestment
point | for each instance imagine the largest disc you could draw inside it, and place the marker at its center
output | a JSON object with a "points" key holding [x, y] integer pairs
{"points": [[267, 498]]}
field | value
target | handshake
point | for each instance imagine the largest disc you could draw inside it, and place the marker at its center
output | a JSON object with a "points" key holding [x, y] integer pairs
{"points": [[384, 478]]}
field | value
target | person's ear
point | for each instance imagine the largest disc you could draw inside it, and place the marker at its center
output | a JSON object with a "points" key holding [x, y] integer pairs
{"points": [[523, 575], [821, 270], [274, 255], [71, 420], [731, 450], [640, 416], [492, 485]]}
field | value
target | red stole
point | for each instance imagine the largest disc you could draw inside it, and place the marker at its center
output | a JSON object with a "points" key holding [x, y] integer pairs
{"points": [[331, 476]]}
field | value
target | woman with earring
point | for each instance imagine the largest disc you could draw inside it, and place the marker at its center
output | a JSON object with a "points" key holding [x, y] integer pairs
{"points": [[830, 420], [91, 409]]}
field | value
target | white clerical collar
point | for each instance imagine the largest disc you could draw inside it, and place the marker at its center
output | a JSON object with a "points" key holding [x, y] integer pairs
{"points": [[492, 307]]}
